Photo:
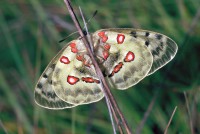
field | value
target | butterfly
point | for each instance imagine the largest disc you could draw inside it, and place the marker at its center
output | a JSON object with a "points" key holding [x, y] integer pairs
{"points": [[125, 57]]}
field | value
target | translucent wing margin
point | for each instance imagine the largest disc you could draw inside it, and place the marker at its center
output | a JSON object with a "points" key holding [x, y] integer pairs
{"points": [[162, 47], [44, 94]]}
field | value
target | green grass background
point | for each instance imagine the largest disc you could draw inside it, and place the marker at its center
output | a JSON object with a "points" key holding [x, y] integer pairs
{"points": [[29, 35]]}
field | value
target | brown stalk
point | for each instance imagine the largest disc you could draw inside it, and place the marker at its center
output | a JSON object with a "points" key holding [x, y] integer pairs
{"points": [[98, 70], [170, 120]]}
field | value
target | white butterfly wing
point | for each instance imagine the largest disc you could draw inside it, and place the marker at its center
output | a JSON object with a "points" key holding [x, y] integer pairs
{"points": [[128, 60], [162, 47], [74, 79], [44, 93], [151, 50], [125, 56]]}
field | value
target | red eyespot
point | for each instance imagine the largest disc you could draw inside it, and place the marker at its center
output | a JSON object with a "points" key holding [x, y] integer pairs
{"points": [[89, 80], [104, 38], [116, 69], [72, 80], [105, 54], [64, 60], [74, 49], [130, 56], [120, 38], [106, 46], [101, 34], [79, 57], [72, 45]]}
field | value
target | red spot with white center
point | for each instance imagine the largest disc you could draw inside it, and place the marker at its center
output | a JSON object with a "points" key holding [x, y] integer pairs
{"points": [[130, 56], [64, 60], [105, 54], [90, 80], [106, 46], [72, 80], [116, 69], [120, 38]]}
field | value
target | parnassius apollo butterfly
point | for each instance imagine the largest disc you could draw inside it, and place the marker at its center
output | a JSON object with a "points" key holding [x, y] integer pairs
{"points": [[125, 57]]}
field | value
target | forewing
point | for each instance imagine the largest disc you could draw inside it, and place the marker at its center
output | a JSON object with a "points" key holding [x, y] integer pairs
{"points": [[44, 93], [123, 59], [162, 47], [74, 78]]}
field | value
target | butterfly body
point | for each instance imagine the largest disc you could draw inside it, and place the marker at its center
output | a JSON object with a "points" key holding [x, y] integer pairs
{"points": [[125, 57]]}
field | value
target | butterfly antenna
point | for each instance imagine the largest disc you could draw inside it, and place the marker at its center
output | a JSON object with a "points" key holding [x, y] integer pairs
{"points": [[94, 14], [68, 36], [85, 32]]}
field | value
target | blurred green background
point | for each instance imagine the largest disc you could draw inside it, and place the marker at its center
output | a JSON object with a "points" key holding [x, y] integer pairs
{"points": [[29, 35]]}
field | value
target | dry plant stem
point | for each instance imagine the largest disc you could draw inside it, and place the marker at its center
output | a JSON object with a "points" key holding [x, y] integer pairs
{"points": [[117, 121], [189, 114], [165, 132], [3, 127], [106, 97], [98, 70]]}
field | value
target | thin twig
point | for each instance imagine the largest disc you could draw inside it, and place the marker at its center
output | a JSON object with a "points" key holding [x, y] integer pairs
{"points": [[107, 99], [165, 132], [111, 115], [98, 70], [189, 114], [117, 121]]}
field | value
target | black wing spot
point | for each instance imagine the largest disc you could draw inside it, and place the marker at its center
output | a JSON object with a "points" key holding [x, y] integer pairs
{"points": [[45, 76], [39, 85], [43, 92], [110, 75], [134, 34], [161, 45], [104, 73], [147, 43], [158, 36], [158, 49], [154, 53], [51, 95], [53, 66], [147, 34]]}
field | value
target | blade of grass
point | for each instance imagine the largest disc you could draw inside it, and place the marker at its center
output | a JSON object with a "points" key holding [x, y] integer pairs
{"points": [[15, 104], [44, 18], [189, 113], [3, 127]]}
